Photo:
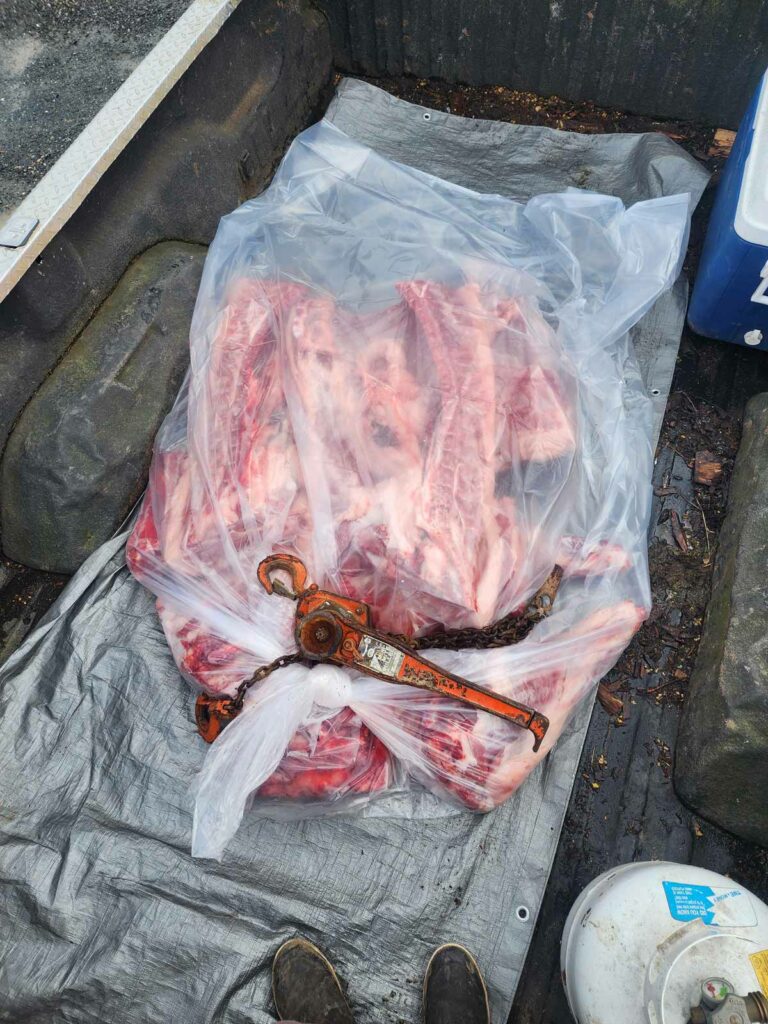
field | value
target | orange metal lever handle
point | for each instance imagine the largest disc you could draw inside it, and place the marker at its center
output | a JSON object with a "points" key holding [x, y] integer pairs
{"points": [[330, 635], [333, 628]]}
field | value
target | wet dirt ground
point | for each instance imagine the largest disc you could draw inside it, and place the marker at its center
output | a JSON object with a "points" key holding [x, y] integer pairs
{"points": [[25, 596], [496, 102]]}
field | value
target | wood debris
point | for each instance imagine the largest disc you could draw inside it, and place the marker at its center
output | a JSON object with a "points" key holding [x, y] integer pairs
{"points": [[610, 703], [722, 142], [707, 469], [677, 531]]}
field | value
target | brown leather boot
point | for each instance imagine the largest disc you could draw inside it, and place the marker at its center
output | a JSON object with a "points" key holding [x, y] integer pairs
{"points": [[305, 987], [454, 990]]}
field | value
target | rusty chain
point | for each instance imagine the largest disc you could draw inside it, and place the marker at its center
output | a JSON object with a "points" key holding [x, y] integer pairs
{"points": [[262, 673], [510, 630]]}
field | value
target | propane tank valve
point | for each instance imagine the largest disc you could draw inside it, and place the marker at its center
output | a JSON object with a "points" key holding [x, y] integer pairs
{"points": [[720, 1005]]}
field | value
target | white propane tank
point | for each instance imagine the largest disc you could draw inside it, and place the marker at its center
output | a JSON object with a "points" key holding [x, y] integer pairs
{"points": [[642, 939]]}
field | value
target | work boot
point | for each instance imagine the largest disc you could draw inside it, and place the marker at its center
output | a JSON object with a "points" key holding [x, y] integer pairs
{"points": [[454, 990], [305, 986]]}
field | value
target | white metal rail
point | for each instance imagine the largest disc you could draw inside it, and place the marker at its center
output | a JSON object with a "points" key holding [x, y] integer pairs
{"points": [[55, 198]]}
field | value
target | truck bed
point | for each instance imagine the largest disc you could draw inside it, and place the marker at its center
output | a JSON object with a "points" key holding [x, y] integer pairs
{"points": [[623, 806]]}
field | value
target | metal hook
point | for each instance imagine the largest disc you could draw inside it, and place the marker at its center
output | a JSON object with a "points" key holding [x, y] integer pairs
{"points": [[289, 564]]}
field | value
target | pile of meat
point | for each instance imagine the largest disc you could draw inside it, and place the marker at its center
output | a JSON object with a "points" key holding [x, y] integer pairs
{"points": [[412, 455]]}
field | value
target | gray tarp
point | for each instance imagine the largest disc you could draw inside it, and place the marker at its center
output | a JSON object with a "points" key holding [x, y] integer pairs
{"points": [[105, 915]]}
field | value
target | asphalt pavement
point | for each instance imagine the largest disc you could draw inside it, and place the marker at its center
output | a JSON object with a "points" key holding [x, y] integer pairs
{"points": [[60, 61]]}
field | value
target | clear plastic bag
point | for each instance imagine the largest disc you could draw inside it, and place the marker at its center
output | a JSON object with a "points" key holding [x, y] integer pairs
{"points": [[429, 396]]}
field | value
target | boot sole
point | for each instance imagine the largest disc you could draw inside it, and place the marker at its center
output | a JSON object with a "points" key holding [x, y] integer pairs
{"points": [[470, 957], [310, 947]]}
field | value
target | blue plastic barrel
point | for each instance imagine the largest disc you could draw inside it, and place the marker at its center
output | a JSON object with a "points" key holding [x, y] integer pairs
{"points": [[730, 300]]}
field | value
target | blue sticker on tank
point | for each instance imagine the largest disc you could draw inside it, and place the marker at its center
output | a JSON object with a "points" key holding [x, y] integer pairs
{"points": [[713, 905], [687, 902]]}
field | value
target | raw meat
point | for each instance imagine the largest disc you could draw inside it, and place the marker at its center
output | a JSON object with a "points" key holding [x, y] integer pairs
{"points": [[337, 755], [430, 397], [391, 460]]}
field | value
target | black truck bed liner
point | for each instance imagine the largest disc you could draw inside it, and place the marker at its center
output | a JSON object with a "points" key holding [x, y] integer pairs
{"points": [[623, 806]]}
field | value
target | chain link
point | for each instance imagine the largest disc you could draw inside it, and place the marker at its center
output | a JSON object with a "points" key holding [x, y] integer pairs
{"points": [[262, 673], [510, 630]]}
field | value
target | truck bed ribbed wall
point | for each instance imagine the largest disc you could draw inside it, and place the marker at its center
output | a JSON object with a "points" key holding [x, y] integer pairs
{"points": [[697, 59]]}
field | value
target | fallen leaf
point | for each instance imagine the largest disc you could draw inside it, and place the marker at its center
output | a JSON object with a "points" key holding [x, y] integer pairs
{"points": [[613, 705], [707, 468], [677, 531]]}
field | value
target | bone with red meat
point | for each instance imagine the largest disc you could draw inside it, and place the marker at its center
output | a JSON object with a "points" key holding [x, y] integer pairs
{"points": [[307, 422], [393, 411], [479, 759], [589, 650], [330, 760], [537, 422], [205, 659], [580, 557]]}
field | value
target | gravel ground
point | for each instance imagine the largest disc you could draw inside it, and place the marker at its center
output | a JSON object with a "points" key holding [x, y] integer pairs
{"points": [[60, 61]]}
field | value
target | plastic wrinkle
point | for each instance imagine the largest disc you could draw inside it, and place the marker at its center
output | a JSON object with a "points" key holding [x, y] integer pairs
{"points": [[431, 400]]}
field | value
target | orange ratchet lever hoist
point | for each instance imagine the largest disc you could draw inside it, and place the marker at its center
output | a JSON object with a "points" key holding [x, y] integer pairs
{"points": [[336, 629]]}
